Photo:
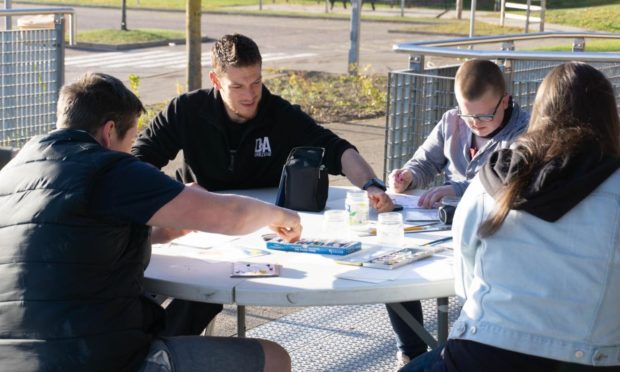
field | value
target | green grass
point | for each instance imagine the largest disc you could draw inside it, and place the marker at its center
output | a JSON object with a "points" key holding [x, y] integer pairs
{"points": [[460, 27], [160, 4], [559, 4], [591, 46], [600, 18], [600, 15], [118, 37]]}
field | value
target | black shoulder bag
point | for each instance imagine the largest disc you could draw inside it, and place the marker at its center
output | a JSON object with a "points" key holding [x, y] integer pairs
{"points": [[304, 181]]}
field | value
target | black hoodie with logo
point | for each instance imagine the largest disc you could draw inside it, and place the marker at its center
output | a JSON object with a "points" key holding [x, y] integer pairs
{"points": [[197, 123]]}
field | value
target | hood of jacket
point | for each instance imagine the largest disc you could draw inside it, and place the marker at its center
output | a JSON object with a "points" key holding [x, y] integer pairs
{"points": [[555, 187]]}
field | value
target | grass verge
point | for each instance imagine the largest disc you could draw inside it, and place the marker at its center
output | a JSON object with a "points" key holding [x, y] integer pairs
{"points": [[600, 18], [118, 37], [460, 27], [591, 46]]}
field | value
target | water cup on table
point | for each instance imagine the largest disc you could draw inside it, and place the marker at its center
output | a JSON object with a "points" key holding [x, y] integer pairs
{"points": [[390, 229], [336, 224], [358, 208]]}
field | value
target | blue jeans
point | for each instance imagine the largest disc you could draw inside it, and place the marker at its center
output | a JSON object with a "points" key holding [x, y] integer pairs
{"points": [[407, 341], [425, 361]]}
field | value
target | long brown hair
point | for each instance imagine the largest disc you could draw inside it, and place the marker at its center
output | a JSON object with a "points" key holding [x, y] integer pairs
{"points": [[575, 109]]}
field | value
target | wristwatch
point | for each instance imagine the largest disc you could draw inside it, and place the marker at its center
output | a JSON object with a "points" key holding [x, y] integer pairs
{"points": [[374, 182]]}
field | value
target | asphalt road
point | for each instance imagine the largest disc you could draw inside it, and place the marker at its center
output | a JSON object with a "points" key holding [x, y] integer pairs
{"points": [[292, 43]]}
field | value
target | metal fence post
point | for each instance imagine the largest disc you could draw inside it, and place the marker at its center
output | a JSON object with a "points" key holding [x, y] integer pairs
{"points": [[579, 44], [59, 23], [8, 22], [354, 50]]}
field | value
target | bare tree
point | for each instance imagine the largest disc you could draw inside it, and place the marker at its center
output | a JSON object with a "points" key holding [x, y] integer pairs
{"points": [[193, 44]]}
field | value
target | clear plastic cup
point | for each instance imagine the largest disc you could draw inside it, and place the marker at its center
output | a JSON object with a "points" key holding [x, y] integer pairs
{"points": [[390, 229], [358, 208], [336, 224]]}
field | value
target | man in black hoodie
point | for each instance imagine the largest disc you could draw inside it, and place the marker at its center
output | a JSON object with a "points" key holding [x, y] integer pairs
{"points": [[238, 135]]}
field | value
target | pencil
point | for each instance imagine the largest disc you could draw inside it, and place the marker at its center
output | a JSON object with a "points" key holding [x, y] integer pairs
{"points": [[437, 241], [409, 228]]}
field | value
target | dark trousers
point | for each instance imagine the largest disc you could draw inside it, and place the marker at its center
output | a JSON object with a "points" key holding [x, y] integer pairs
{"points": [[185, 318], [464, 355], [407, 340]]}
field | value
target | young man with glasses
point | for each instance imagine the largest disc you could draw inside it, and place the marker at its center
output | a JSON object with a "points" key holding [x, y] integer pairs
{"points": [[485, 120]]}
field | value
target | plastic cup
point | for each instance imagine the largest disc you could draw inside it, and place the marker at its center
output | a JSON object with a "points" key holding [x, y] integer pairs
{"points": [[336, 224], [390, 229], [358, 209]]}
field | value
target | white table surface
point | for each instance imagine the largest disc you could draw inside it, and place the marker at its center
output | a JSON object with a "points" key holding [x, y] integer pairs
{"points": [[306, 279]]}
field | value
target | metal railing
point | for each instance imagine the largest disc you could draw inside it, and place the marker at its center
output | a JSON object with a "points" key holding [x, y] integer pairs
{"points": [[418, 96], [31, 75]]}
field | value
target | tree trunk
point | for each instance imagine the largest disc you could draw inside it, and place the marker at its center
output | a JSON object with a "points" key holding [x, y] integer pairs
{"points": [[193, 45], [124, 15]]}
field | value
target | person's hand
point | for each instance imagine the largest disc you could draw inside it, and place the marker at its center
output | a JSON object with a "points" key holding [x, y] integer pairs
{"points": [[289, 227], [160, 235], [379, 200], [399, 180], [432, 197]]}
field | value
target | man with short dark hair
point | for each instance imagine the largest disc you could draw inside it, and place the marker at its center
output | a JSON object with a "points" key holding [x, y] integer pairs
{"points": [[238, 135], [75, 240]]}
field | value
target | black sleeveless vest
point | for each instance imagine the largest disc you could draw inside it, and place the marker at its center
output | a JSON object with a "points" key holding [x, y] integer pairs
{"points": [[70, 284]]}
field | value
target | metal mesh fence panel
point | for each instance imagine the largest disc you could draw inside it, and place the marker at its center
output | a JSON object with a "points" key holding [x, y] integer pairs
{"points": [[29, 71], [527, 76], [416, 102]]}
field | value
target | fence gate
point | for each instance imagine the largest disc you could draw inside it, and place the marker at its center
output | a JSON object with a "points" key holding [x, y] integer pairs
{"points": [[31, 74]]}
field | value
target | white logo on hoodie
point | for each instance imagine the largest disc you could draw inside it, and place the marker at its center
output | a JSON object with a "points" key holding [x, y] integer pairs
{"points": [[262, 148]]}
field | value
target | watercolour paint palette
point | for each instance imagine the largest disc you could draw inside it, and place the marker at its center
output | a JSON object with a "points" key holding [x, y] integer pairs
{"points": [[319, 246]]}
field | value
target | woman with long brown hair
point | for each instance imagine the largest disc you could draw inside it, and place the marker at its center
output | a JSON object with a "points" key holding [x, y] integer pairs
{"points": [[537, 239]]}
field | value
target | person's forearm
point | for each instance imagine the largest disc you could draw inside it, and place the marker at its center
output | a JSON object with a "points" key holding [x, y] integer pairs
{"points": [[250, 214], [357, 170], [196, 209]]}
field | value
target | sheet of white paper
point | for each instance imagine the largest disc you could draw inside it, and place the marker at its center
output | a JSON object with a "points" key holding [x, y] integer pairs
{"points": [[437, 267], [199, 239], [369, 275], [407, 201], [415, 215]]}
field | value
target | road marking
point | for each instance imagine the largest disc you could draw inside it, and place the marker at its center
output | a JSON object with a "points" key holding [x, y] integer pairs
{"points": [[157, 59]]}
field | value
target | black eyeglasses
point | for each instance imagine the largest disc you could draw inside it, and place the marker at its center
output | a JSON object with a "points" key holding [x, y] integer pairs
{"points": [[483, 118]]}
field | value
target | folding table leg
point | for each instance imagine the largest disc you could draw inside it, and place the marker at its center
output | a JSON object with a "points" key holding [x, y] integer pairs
{"points": [[240, 320], [442, 319], [414, 324]]}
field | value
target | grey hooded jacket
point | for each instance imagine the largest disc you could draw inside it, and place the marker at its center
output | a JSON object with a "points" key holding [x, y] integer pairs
{"points": [[446, 150]]}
